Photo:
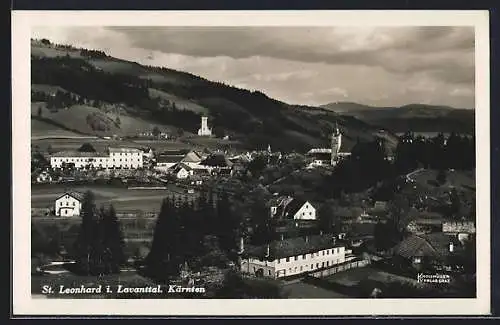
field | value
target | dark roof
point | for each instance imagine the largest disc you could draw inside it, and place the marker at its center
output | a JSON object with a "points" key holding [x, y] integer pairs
{"points": [[293, 246], [217, 160], [435, 245], [180, 152], [77, 195], [293, 207], [179, 166], [169, 158]]}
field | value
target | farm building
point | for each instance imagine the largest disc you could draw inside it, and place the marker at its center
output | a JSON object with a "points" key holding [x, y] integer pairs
{"points": [[69, 204], [292, 256]]}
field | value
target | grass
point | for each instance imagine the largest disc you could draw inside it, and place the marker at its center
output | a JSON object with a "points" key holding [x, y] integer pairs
{"points": [[307, 291], [180, 103], [457, 178], [121, 198]]}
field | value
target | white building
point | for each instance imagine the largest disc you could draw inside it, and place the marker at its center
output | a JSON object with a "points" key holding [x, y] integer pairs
{"points": [[113, 158], [182, 171], [290, 208], [293, 256], [204, 130], [69, 204]]}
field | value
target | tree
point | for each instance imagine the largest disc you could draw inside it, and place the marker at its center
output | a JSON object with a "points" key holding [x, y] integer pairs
{"points": [[39, 112], [117, 120], [156, 131], [113, 242], [163, 260], [218, 132], [86, 147], [88, 236], [441, 177]]}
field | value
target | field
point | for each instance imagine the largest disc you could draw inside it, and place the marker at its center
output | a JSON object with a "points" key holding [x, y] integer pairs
{"points": [[43, 196], [458, 179], [303, 290], [353, 277]]}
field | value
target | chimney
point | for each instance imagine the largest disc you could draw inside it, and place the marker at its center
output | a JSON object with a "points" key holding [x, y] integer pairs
{"points": [[451, 247], [334, 240], [282, 236], [307, 239], [321, 232], [267, 250]]}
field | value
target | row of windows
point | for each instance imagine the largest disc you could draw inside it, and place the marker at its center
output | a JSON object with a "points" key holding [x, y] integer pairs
{"points": [[325, 252], [67, 203], [304, 268], [124, 153]]}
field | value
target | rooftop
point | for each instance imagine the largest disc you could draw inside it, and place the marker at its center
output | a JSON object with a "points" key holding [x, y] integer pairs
{"points": [[294, 246], [122, 149], [435, 245], [79, 154]]}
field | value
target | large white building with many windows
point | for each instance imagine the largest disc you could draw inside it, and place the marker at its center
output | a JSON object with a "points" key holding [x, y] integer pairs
{"points": [[113, 158], [294, 256]]}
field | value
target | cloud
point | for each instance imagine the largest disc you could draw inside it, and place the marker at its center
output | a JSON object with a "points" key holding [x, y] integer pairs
{"points": [[305, 65]]}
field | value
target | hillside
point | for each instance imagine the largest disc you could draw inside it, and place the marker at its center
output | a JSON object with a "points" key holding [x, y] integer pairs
{"points": [[87, 92], [415, 117]]}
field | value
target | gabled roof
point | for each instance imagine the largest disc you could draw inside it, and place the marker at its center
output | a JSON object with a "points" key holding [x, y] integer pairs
{"points": [[294, 246], [217, 160], [293, 207], [192, 157], [77, 195], [180, 166], [123, 149], [435, 245]]}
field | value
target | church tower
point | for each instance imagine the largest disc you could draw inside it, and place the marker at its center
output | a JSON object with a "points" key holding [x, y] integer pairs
{"points": [[204, 130], [335, 144]]}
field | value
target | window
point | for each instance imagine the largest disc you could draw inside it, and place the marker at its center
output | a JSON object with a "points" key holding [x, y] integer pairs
{"points": [[278, 261], [304, 256], [290, 270], [312, 266], [296, 258], [327, 252], [317, 265], [269, 272], [295, 269], [327, 263], [323, 253], [323, 264], [301, 269], [288, 259]]}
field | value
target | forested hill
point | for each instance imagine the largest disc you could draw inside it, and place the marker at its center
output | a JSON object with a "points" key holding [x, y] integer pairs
{"points": [[414, 117], [89, 92]]}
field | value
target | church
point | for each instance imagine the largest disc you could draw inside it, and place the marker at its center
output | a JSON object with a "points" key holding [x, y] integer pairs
{"points": [[327, 156]]}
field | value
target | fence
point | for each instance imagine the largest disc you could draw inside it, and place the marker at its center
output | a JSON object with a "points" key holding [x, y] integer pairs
{"points": [[339, 268]]}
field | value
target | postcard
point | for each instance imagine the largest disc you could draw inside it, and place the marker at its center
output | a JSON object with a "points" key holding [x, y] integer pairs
{"points": [[262, 163]]}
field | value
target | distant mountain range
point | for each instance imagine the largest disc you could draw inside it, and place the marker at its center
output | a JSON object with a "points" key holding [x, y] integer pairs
{"points": [[414, 117], [88, 92]]}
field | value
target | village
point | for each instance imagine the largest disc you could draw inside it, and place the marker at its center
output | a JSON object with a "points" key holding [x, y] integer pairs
{"points": [[319, 247]]}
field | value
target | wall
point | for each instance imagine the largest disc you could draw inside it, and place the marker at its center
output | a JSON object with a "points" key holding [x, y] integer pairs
{"points": [[314, 261], [306, 212], [340, 268], [251, 265]]}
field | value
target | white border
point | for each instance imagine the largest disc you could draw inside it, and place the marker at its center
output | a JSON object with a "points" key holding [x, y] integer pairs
{"points": [[21, 33]]}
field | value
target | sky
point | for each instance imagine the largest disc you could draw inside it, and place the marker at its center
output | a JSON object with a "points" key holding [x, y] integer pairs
{"points": [[380, 66]]}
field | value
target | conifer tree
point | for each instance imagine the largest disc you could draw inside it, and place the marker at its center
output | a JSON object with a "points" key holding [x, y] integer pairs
{"points": [[86, 241], [113, 243]]}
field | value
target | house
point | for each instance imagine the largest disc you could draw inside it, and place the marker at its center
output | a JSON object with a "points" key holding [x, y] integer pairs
{"points": [[427, 249], [463, 230], [166, 162], [192, 158], [290, 208], [44, 177], [69, 204], [292, 256], [182, 171]]}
